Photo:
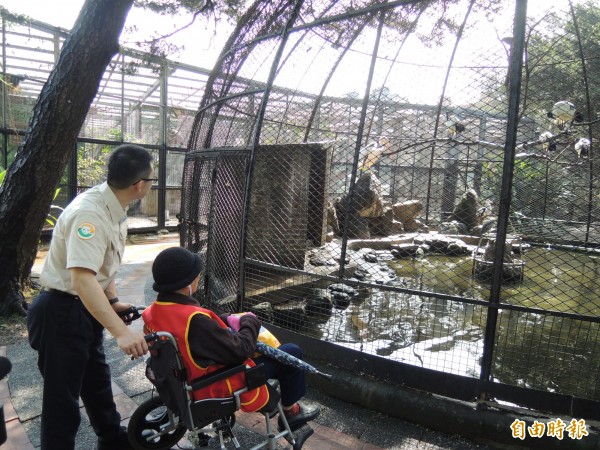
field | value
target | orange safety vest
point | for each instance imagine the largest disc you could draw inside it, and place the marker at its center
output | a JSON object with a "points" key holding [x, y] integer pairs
{"points": [[175, 319]]}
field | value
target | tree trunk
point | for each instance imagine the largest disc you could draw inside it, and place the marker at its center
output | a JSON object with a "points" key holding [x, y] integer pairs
{"points": [[56, 119]]}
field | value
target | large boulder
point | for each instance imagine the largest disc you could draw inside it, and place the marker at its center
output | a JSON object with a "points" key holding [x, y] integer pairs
{"points": [[453, 228], [411, 225], [290, 314], [385, 224], [408, 210], [319, 303]]}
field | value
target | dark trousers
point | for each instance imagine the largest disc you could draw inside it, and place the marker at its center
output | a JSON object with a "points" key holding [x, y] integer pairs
{"points": [[292, 381], [72, 362]]}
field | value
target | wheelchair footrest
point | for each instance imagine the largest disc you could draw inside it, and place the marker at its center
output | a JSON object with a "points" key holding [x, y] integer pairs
{"points": [[301, 434]]}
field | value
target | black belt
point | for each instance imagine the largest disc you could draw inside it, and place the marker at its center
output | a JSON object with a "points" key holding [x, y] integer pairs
{"points": [[60, 293]]}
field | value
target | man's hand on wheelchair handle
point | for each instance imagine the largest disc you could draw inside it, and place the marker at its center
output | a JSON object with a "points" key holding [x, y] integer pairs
{"points": [[132, 343], [127, 312]]}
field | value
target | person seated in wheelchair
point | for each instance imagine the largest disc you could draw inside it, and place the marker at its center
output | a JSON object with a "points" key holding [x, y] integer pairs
{"points": [[208, 342]]}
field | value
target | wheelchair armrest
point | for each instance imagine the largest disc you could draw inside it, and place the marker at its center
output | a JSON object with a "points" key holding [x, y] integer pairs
{"points": [[217, 375], [256, 376]]}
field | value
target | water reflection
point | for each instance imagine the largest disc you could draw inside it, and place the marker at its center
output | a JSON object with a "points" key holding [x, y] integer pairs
{"points": [[549, 353], [534, 350], [433, 333], [554, 280]]}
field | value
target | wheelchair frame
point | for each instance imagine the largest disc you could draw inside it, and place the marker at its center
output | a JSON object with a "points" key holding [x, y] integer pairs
{"points": [[156, 424]]}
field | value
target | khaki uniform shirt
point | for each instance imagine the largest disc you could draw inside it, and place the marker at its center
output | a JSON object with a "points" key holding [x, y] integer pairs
{"points": [[90, 233]]}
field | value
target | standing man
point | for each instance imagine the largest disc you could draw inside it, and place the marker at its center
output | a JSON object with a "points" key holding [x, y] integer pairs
{"points": [[79, 299]]}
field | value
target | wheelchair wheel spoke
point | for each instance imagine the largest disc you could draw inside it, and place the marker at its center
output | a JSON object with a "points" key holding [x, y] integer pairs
{"points": [[151, 429], [156, 418]]}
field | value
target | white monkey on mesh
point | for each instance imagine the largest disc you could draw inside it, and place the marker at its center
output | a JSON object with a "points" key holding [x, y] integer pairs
{"points": [[563, 114], [548, 144], [582, 147], [370, 154]]}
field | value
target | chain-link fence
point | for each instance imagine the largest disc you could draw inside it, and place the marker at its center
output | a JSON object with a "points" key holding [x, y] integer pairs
{"points": [[413, 181]]}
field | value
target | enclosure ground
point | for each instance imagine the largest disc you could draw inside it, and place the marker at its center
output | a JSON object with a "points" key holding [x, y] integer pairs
{"points": [[13, 329]]}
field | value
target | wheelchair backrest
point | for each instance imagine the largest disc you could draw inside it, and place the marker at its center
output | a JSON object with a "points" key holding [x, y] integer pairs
{"points": [[166, 372]]}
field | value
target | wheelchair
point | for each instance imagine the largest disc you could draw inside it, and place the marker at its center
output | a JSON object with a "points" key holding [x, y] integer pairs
{"points": [[161, 421], [5, 368]]}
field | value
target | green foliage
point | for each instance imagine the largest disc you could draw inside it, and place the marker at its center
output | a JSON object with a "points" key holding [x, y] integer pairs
{"points": [[527, 171], [158, 48], [91, 163], [556, 55], [559, 57], [50, 219], [229, 8]]}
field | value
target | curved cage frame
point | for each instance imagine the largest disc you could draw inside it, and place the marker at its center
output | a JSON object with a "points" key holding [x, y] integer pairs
{"points": [[276, 152]]}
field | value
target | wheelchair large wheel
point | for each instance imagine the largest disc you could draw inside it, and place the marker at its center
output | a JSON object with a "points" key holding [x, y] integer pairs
{"points": [[150, 428]]}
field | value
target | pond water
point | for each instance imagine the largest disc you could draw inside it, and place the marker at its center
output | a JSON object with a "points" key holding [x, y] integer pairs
{"points": [[553, 279], [531, 350]]}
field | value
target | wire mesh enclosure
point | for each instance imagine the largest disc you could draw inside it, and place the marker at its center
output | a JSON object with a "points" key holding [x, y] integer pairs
{"points": [[414, 181], [139, 101]]}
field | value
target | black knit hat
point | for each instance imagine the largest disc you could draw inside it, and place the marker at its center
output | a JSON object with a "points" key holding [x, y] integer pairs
{"points": [[175, 268]]}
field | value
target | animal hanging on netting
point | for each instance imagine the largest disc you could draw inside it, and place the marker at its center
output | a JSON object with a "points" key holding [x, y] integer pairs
{"points": [[561, 142], [564, 114], [454, 124], [371, 153], [582, 148]]}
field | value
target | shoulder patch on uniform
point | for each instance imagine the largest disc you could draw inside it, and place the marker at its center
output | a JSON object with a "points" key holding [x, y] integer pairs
{"points": [[86, 231]]}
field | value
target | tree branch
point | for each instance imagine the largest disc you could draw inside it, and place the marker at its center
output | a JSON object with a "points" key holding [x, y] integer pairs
{"points": [[209, 5]]}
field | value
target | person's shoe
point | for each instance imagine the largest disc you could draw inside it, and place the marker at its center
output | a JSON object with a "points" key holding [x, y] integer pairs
{"points": [[119, 443], [298, 415]]}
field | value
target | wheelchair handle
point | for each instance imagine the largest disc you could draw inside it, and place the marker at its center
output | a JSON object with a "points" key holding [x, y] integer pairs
{"points": [[132, 313], [157, 335]]}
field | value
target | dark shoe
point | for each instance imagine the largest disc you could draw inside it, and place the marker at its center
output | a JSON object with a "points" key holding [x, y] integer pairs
{"points": [[119, 443], [298, 416]]}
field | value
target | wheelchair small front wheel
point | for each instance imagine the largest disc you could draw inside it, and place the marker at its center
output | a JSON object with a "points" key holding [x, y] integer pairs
{"points": [[151, 429]]}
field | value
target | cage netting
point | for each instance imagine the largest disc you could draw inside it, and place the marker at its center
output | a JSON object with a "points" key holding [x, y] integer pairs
{"points": [[410, 179]]}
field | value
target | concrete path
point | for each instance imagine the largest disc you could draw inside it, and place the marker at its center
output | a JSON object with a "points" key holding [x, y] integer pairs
{"points": [[340, 426]]}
